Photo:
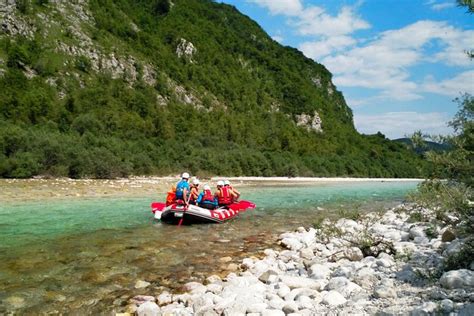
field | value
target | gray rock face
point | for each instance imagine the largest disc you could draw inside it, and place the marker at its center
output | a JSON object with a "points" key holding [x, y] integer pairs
{"points": [[186, 49], [467, 310], [458, 279], [310, 122]]}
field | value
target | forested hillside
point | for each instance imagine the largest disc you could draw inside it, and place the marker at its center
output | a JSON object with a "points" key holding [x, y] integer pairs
{"points": [[104, 88]]}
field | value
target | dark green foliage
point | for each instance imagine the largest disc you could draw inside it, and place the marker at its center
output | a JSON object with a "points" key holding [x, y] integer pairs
{"points": [[87, 124]]}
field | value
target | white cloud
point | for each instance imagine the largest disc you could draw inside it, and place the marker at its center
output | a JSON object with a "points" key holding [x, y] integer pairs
{"points": [[318, 49], [464, 82], [285, 7], [398, 124], [442, 6], [385, 62], [315, 21]]}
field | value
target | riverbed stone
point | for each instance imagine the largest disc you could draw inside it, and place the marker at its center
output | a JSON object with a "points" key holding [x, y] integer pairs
{"points": [[290, 307], [427, 308], [319, 271], [446, 306], [272, 312], [140, 284], [457, 279], [148, 309], [467, 310], [300, 282], [417, 231], [448, 235], [214, 288], [353, 254], [164, 298], [306, 253], [269, 276], [333, 298]]}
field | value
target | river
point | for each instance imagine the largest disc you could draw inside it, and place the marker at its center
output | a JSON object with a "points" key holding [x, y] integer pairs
{"points": [[85, 253]]}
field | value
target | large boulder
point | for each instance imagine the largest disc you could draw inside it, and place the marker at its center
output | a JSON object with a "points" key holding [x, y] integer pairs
{"points": [[457, 279]]}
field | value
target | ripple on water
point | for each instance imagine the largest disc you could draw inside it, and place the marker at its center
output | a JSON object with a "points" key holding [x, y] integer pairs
{"points": [[86, 254]]}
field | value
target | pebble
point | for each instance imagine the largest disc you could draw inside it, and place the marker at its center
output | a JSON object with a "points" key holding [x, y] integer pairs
{"points": [[141, 284], [317, 274]]}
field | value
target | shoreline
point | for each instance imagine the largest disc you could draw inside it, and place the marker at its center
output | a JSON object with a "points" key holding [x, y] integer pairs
{"points": [[14, 190], [329, 270]]}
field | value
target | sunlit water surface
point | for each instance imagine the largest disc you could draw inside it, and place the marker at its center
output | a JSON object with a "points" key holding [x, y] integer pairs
{"points": [[85, 255]]}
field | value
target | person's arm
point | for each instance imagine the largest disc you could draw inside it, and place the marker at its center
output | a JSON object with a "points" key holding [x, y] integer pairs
{"points": [[185, 196], [199, 199]]}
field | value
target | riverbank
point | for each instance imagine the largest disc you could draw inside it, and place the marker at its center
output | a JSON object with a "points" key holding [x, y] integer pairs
{"points": [[14, 190], [387, 263]]}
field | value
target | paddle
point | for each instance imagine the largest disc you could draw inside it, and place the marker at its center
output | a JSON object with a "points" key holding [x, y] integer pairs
{"points": [[184, 210], [242, 206]]}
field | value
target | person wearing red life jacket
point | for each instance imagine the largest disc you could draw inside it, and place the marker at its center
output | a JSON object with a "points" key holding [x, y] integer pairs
{"points": [[224, 194], [194, 192], [171, 195], [236, 193], [206, 199]]}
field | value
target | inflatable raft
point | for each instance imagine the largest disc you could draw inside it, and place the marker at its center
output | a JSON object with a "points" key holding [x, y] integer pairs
{"points": [[175, 214]]}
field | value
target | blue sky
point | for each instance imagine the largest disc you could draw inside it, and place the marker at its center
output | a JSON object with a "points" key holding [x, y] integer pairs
{"points": [[399, 63]]}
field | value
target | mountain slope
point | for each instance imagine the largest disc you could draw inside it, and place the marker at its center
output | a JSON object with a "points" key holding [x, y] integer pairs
{"points": [[107, 88]]}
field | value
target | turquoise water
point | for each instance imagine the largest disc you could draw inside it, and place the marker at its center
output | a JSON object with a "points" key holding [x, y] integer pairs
{"points": [[79, 254]]}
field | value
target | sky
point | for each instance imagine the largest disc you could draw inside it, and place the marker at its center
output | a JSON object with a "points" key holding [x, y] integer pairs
{"points": [[399, 63]]}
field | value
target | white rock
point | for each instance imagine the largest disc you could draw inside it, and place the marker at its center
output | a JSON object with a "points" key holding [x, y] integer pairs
{"points": [[428, 308], [319, 271], [336, 283], [214, 279], [384, 291], [290, 307], [333, 298], [283, 289], [421, 240], [300, 282], [417, 231], [148, 309], [446, 306], [454, 247], [306, 253], [276, 304], [164, 298], [304, 302], [456, 279], [257, 307], [353, 254], [214, 288], [291, 243], [272, 312], [404, 248], [141, 284]]}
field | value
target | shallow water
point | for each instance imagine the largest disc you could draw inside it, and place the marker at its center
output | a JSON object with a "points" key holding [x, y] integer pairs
{"points": [[85, 254]]}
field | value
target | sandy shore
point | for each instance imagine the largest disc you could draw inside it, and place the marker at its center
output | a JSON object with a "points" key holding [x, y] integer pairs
{"points": [[15, 190]]}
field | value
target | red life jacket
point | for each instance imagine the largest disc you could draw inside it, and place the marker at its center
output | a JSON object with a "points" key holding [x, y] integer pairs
{"points": [[208, 196], [224, 197]]}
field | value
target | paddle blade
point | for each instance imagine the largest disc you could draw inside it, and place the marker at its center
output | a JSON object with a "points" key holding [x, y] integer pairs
{"points": [[157, 207], [242, 206]]}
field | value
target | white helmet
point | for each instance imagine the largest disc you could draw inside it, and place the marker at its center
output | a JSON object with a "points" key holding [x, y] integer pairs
{"points": [[185, 175], [226, 182], [220, 183], [196, 181], [206, 187]]}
